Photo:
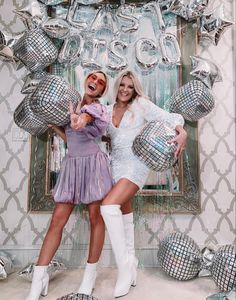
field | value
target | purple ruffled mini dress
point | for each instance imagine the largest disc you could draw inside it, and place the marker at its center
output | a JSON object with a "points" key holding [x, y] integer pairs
{"points": [[85, 174]]}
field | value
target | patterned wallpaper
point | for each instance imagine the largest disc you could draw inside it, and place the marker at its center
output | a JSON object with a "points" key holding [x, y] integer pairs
{"points": [[21, 233]]}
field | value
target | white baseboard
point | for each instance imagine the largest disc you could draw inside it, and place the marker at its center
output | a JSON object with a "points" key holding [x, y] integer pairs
{"points": [[77, 257]]}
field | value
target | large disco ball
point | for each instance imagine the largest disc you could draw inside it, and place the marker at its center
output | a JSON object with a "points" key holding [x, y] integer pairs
{"points": [[179, 256], [193, 101], [51, 98], [26, 119], [152, 148], [35, 50], [224, 267]]}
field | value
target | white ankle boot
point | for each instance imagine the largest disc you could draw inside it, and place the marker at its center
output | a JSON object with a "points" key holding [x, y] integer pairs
{"points": [[89, 279], [39, 284], [128, 220], [112, 217]]}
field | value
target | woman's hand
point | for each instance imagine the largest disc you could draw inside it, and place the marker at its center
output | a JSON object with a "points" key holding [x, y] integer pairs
{"points": [[78, 121], [75, 121], [59, 131], [180, 140], [51, 126]]}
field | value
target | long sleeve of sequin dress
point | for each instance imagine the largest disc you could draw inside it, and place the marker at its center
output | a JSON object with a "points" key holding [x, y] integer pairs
{"points": [[124, 163]]}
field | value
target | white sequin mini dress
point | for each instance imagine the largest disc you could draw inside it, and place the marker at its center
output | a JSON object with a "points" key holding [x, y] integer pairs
{"points": [[124, 163]]}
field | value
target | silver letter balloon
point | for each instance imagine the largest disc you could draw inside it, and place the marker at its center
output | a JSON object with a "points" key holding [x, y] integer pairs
{"points": [[179, 256], [50, 100], [152, 148], [193, 101]]}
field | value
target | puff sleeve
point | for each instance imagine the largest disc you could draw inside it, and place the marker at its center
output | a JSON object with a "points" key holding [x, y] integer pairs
{"points": [[101, 118]]}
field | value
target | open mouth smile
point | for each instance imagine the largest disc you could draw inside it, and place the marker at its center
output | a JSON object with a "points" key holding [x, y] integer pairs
{"points": [[92, 86]]}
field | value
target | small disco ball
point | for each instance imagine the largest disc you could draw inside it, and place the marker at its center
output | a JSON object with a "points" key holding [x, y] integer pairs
{"points": [[35, 50], [152, 148], [25, 118], [193, 101], [77, 296], [179, 256], [51, 98], [224, 267]]}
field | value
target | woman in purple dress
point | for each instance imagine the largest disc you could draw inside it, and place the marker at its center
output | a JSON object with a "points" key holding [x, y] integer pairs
{"points": [[84, 177]]}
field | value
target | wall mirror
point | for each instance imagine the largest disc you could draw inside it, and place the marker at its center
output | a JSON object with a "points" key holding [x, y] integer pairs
{"points": [[173, 191]]}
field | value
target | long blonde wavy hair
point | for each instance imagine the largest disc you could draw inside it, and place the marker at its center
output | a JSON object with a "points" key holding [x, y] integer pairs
{"points": [[138, 90]]}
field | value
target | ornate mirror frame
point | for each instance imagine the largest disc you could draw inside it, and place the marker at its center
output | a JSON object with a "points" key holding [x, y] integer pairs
{"points": [[186, 201]]}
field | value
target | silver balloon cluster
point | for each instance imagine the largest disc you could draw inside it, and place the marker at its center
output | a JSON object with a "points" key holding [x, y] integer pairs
{"points": [[78, 25], [213, 24], [181, 258], [6, 265], [152, 148], [55, 267], [87, 31], [193, 101], [77, 296]]}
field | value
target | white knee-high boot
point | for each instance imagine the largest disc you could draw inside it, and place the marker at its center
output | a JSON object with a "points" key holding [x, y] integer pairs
{"points": [[39, 284], [89, 279], [125, 262], [128, 220]]}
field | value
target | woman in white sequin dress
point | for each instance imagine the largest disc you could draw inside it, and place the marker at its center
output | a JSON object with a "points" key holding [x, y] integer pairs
{"points": [[130, 112]]}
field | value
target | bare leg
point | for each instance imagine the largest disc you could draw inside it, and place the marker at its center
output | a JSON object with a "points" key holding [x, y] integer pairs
{"points": [[52, 239], [97, 232], [121, 192], [127, 208], [97, 235]]}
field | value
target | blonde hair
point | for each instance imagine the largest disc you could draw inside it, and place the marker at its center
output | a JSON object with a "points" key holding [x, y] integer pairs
{"points": [[107, 82], [138, 90]]}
